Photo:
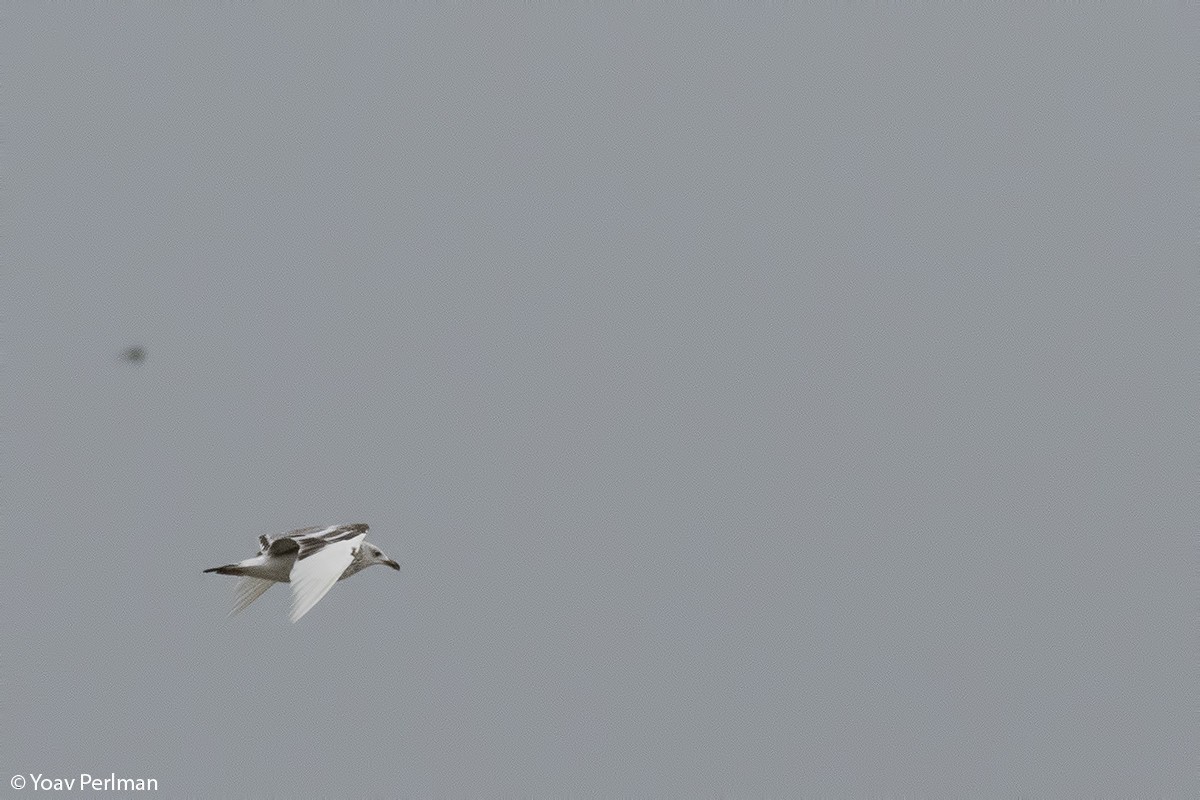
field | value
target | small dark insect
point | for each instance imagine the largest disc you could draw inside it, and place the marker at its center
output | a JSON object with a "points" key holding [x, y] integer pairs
{"points": [[135, 354]]}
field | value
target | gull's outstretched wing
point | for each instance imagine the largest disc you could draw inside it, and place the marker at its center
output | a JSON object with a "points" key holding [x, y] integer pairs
{"points": [[319, 566], [248, 590]]}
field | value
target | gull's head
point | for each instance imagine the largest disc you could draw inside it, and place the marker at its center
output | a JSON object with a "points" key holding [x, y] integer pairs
{"points": [[373, 555]]}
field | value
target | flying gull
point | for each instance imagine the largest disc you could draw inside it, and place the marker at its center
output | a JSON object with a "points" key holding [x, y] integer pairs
{"points": [[311, 559]]}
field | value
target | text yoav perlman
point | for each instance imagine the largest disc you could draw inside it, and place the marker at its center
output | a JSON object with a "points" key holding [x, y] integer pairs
{"points": [[93, 782]]}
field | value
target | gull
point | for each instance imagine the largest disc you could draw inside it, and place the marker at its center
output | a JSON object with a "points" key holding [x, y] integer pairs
{"points": [[311, 559]]}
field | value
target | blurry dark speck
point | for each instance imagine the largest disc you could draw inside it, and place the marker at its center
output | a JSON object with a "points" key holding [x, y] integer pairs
{"points": [[135, 354]]}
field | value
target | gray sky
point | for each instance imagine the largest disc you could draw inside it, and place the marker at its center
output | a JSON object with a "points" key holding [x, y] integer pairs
{"points": [[759, 402]]}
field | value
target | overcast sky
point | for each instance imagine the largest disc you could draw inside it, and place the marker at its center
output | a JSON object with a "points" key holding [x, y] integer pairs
{"points": [[759, 401]]}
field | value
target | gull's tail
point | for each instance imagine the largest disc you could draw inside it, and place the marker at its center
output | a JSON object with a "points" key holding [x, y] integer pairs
{"points": [[249, 588], [228, 569]]}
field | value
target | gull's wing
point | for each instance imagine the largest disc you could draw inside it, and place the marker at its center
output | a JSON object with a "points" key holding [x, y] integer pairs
{"points": [[300, 533], [281, 547], [312, 539], [248, 590], [320, 563]]}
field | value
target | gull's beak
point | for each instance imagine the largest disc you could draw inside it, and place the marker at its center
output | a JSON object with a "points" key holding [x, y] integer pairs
{"points": [[392, 564]]}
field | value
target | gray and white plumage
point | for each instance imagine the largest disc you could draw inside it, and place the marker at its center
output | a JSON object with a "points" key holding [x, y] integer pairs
{"points": [[311, 559]]}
